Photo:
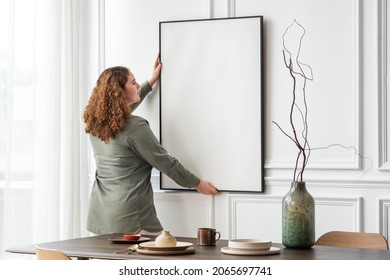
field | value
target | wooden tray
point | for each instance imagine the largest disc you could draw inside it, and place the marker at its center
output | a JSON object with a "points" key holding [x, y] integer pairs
{"points": [[188, 251]]}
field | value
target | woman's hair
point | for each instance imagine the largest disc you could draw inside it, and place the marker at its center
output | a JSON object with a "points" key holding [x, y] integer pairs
{"points": [[107, 111]]}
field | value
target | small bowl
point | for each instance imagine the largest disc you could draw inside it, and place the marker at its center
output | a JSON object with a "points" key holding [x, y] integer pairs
{"points": [[131, 237], [250, 244]]}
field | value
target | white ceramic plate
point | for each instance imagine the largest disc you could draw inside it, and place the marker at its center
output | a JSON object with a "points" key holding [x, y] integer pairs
{"points": [[250, 244], [152, 246], [244, 252]]}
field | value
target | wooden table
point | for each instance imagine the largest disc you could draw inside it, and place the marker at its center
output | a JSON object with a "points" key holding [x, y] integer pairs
{"points": [[100, 247]]}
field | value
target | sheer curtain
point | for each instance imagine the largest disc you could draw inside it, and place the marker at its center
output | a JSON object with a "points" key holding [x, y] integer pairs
{"points": [[45, 61]]}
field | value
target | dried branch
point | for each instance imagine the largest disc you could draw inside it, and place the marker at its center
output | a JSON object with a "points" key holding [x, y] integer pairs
{"points": [[297, 71], [300, 141], [356, 152]]}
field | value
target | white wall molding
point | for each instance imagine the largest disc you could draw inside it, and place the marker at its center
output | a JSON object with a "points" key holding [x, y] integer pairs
{"points": [[354, 162], [235, 201], [383, 104], [199, 206], [276, 183], [384, 217], [209, 9], [101, 35], [329, 183], [231, 8], [345, 213], [351, 207]]}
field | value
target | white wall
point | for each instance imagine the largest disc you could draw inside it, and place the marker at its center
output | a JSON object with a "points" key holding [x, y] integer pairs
{"points": [[348, 105]]}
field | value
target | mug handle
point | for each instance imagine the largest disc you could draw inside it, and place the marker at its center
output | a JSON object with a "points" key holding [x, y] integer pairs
{"points": [[217, 233]]}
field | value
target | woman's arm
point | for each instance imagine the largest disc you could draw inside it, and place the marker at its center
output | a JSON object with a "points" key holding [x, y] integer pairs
{"points": [[143, 142], [143, 91], [146, 87]]}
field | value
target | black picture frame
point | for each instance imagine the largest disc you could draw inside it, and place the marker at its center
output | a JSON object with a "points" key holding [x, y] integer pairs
{"points": [[211, 100]]}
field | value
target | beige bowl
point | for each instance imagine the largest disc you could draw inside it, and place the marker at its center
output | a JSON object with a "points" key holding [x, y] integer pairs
{"points": [[250, 244]]}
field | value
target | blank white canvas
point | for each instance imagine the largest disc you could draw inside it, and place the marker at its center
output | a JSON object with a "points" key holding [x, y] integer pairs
{"points": [[210, 100]]}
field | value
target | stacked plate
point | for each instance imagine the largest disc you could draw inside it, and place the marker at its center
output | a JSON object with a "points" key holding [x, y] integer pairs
{"points": [[250, 247], [181, 248]]}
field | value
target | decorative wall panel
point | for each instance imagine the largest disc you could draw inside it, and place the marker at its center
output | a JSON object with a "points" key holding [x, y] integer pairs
{"points": [[384, 100], [261, 217], [334, 95], [384, 214], [184, 213]]}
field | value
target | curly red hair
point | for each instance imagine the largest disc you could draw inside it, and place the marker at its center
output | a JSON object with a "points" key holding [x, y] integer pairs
{"points": [[107, 111]]}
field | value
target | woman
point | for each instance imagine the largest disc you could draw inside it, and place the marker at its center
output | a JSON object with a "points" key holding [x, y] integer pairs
{"points": [[125, 151]]}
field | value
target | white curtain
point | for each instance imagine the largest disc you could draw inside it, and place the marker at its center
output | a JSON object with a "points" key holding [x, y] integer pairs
{"points": [[45, 60]]}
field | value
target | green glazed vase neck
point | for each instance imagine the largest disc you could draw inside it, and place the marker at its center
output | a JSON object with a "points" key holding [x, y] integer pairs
{"points": [[298, 184]]}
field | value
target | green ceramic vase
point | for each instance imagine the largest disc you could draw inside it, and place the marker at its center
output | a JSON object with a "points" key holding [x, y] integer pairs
{"points": [[298, 221]]}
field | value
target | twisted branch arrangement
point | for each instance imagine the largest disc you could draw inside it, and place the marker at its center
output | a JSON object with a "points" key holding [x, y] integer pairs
{"points": [[297, 70], [292, 43]]}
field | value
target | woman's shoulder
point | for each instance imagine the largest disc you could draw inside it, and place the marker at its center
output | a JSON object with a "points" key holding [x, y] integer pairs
{"points": [[134, 121], [133, 126], [136, 128]]}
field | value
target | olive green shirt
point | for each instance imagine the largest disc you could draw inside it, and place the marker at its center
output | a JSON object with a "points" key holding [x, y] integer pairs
{"points": [[122, 195]]}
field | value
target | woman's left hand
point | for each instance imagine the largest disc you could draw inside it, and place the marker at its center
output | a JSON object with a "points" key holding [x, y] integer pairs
{"points": [[156, 71]]}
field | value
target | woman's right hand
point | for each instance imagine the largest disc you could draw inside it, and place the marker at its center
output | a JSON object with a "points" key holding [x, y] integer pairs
{"points": [[156, 71], [205, 187]]}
